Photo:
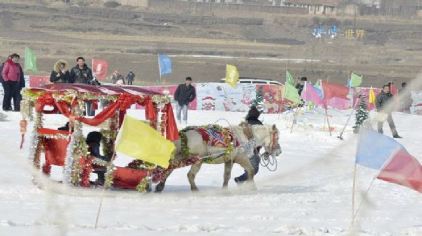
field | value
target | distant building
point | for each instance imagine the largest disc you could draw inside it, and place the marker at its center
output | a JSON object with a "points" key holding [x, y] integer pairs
{"points": [[403, 8], [316, 7], [134, 3]]}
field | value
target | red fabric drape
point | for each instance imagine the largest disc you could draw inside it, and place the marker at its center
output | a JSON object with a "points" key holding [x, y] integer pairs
{"points": [[128, 178], [86, 168], [55, 152], [172, 133]]}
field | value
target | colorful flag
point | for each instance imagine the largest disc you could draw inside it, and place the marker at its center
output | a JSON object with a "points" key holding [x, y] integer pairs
{"points": [[138, 140], [289, 78], [396, 165], [334, 90], [339, 103], [371, 97], [232, 75], [291, 93], [393, 89], [164, 64], [30, 60], [355, 80], [100, 68], [310, 93]]}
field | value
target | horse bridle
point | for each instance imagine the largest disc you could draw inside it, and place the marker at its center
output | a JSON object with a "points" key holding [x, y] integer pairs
{"points": [[274, 141]]}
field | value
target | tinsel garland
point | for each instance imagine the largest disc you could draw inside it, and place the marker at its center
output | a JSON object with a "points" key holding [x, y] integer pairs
{"points": [[35, 150], [54, 136], [68, 162], [79, 148], [143, 184], [109, 176], [141, 165]]}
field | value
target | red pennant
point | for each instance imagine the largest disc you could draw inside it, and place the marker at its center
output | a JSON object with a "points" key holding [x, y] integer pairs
{"points": [[100, 68]]}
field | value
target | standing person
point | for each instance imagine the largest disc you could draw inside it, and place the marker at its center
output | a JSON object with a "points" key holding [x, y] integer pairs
{"points": [[12, 74], [60, 74], [81, 73], [130, 77], [381, 101], [405, 98], [299, 86], [252, 119], [184, 94], [117, 78]]}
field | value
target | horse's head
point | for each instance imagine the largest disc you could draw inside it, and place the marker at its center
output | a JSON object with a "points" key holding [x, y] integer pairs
{"points": [[267, 137], [271, 145]]}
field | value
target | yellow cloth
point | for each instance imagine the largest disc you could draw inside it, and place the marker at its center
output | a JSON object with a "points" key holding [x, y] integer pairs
{"points": [[372, 97], [140, 141], [232, 75]]}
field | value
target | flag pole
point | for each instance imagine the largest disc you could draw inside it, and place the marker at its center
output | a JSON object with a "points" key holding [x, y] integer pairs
{"points": [[297, 112], [159, 68], [353, 194], [328, 120], [294, 119], [348, 119]]}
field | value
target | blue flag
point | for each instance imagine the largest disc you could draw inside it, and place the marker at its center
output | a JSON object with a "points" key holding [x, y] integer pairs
{"points": [[164, 64], [375, 149]]}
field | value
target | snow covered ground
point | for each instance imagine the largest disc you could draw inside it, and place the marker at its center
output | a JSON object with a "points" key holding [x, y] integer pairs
{"points": [[309, 194]]}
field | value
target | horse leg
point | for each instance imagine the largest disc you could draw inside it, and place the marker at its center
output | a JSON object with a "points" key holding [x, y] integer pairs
{"points": [[191, 175], [246, 164], [227, 173], [160, 186]]}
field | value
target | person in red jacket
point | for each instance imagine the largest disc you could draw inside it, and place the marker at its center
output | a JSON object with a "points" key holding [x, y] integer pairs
{"points": [[12, 75]]}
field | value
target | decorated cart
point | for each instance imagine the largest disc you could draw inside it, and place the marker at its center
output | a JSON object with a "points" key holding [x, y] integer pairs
{"points": [[67, 147]]}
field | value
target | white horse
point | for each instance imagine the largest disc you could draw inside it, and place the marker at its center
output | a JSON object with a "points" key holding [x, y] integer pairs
{"points": [[263, 136]]}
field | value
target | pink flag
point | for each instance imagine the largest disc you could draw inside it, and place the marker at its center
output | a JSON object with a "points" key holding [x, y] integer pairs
{"points": [[100, 68], [403, 169], [339, 103], [309, 93]]}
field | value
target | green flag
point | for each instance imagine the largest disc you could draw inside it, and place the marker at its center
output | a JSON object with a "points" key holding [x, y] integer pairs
{"points": [[30, 60], [291, 93], [289, 78], [355, 80]]}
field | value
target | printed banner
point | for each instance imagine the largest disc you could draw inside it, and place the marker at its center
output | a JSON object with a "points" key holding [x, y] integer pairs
{"points": [[222, 97], [416, 107]]}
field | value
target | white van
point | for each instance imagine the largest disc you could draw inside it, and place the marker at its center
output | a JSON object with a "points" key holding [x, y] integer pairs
{"points": [[248, 80]]}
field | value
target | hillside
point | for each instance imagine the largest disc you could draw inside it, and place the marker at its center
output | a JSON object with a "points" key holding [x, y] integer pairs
{"points": [[131, 39]]}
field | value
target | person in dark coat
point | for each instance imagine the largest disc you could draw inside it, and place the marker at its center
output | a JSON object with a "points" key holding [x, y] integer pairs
{"points": [[14, 80], [81, 73], [252, 119], [93, 140], [381, 101], [184, 94], [405, 98], [299, 86], [130, 77], [60, 74]]}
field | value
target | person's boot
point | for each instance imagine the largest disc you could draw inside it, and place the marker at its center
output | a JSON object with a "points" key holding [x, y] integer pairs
{"points": [[395, 134]]}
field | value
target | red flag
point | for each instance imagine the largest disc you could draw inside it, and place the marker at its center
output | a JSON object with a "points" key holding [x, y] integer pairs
{"points": [[334, 90], [38, 81], [393, 89], [403, 169], [99, 68]]}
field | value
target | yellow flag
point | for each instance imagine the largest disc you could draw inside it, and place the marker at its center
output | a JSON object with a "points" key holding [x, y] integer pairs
{"points": [[140, 141], [371, 97], [232, 75]]}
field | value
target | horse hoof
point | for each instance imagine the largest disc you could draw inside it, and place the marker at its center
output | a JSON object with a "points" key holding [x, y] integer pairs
{"points": [[159, 188], [194, 189]]}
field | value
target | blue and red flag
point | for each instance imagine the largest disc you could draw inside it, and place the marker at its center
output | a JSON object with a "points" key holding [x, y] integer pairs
{"points": [[396, 165]]}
